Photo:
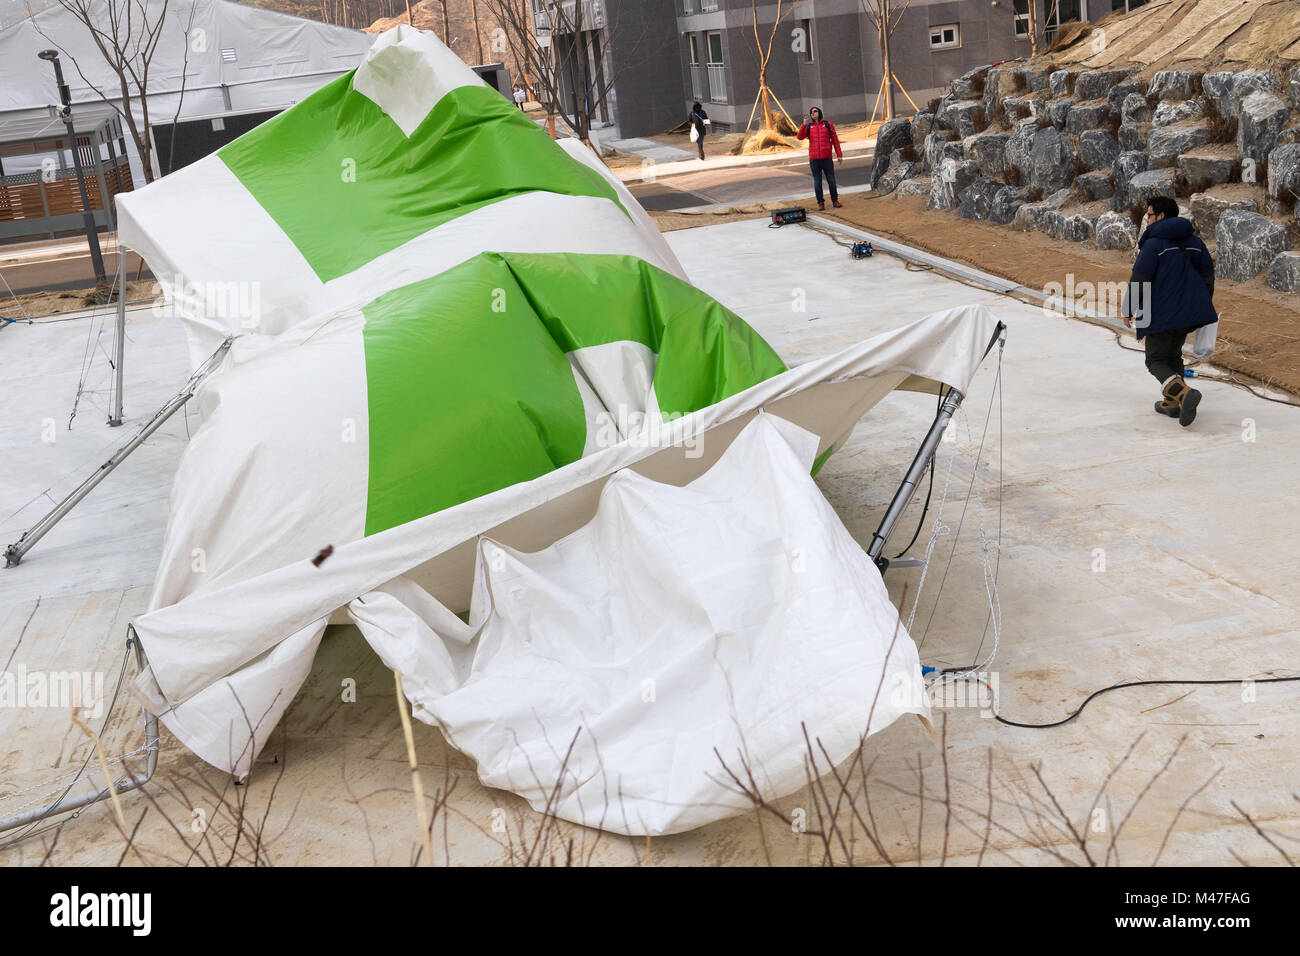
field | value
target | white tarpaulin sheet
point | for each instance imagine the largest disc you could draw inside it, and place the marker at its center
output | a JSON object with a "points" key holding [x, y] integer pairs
{"points": [[605, 676]]}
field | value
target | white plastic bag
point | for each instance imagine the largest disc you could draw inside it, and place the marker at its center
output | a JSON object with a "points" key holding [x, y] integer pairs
{"points": [[695, 133], [1204, 340]]}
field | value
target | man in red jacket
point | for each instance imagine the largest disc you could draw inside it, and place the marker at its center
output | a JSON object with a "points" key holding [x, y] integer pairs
{"points": [[821, 137]]}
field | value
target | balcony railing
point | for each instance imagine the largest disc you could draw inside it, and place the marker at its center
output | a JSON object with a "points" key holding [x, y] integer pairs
{"points": [[690, 7], [561, 16], [698, 84], [717, 82]]}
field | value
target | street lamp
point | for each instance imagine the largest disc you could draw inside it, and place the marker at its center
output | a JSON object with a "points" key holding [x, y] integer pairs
{"points": [[87, 217]]}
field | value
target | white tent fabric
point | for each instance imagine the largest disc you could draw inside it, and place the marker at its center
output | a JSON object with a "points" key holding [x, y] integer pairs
{"points": [[231, 58], [604, 676], [226, 661]]}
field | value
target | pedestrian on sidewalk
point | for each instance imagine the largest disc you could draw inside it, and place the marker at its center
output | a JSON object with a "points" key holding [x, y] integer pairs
{"points": [[1171, 294], [520, 96], [821, 137], [698, 120]]}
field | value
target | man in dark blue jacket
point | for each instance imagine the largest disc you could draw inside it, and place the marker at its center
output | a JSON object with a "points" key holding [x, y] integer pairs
{"points": [[1170, 293]]}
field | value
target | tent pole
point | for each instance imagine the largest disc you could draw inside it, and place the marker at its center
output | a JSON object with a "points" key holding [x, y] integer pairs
{"points": [[14, 553], [905, 491], [132, 782], [115, 417]]}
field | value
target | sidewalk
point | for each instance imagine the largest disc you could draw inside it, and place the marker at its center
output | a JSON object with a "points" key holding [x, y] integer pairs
{"points": [[653, 165]]}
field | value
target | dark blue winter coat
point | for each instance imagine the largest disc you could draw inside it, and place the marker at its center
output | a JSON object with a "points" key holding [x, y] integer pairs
{"points": [[1174, 260]]}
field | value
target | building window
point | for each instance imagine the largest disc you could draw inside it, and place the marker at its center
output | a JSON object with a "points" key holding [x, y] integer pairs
{"points": [[695, 49], [945, 36], [1022, 17], [716, 68]]}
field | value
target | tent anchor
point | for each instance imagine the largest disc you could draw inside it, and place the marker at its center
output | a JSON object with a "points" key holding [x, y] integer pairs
{"points": [[15, 552], [951, 402]]}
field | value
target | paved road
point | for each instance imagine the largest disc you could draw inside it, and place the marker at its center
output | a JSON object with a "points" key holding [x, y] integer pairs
{"points": [[67, 272], [744, 184]]}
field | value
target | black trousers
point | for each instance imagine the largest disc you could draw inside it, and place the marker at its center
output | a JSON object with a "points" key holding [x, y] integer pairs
{"points": [[700, 145], [1165, 354], [820, 166]]}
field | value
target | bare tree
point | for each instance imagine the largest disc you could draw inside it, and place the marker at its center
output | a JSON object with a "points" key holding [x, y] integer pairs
{"points": [[885, 20], [559, 68], [126, 33], [763, 54]]}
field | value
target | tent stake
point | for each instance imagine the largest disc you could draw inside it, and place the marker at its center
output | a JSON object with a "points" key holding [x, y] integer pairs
{"points": [[905, 491]]}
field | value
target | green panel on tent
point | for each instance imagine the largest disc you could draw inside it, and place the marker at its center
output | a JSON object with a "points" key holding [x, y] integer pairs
{"points": [[347, 185], [469, 382]]}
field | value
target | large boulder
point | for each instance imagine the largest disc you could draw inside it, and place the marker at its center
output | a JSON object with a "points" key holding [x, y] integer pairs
{"points": [[1166, 143], [1144, 187], [970, 85], [1020, 149], [1033, 215], [1135, 109], [1284, 176], [1118, 94], [922, 126], [939, 147], [1084, 116], [1261, 120], [1174, 85], [1133, 137], [1115, 230], [1095, 84], [1169, 113], [1060, 81], [1217, 88], [977, 199], [1248, 82], [893, 135], [989, 151], [950, 179], [1212, 165], [1098, 149], [1284, 272], [1058, 111], [1076, 228], [1246, 244], [1052, 161], [1127, 165], [1007, 202], [905, 169], [964, 117], [917, 186], [1099, 184], [1207, 209]]}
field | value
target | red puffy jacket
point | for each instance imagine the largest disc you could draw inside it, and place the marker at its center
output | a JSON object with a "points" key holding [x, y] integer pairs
{"points": [[821, 137]]}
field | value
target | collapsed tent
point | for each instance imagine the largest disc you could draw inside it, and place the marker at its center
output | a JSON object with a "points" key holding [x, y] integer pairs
{"points": [[474, 406]]}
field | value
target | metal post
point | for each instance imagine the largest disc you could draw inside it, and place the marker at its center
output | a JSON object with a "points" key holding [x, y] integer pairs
{"points": [[14, 553], [87, 215], [115, 416], [913, 478]]}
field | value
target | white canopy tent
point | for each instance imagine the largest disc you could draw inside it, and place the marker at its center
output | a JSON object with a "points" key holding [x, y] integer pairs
{"points": [[235, 58]]}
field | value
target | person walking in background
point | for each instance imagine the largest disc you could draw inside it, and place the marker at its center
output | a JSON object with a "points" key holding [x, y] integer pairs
{"points": [[1171, 293], [520, 96], [698, 120], [821, 137]]}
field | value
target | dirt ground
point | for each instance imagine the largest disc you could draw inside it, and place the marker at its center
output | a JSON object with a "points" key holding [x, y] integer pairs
{"points": [[1259, 329], [38, 304]]}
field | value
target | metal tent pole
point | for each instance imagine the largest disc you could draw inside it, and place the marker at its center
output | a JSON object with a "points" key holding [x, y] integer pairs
{"points": [[115, 417], [952, 401], [14, 553]]}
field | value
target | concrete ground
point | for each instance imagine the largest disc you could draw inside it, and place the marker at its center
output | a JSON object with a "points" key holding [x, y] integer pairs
{"points": [[1130, 549]]}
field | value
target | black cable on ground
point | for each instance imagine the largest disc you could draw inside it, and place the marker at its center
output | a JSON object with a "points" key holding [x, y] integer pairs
{"points": [[1097, 693]]}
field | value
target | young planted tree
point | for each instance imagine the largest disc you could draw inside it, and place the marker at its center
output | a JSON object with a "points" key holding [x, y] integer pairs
{"points": [[885, 17], [763, 54]]}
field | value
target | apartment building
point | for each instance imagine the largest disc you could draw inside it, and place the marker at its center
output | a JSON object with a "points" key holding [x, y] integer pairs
{"points": [[827, 52], [665, 54]]}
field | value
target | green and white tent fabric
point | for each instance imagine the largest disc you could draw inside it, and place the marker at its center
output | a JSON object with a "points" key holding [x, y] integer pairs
{"points": [[474, 406]]}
